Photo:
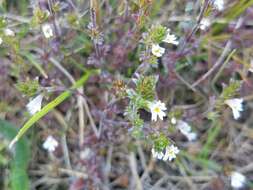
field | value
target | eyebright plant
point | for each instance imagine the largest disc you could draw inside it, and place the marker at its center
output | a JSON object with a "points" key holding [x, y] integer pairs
{"points": [[168, 81]]}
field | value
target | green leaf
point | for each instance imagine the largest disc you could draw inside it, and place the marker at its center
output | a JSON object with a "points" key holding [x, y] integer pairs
{"points": [[161, 142], [19, 163], [19, 179], [158, 33], [145, 86]]}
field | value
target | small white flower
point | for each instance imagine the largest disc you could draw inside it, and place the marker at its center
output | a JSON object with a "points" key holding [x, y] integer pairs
{"points": [[204, 24], [170, 38], [50, 144], [219, 4], [9, 32], [1, 40], [236, 106], [186, 130], [170, 153], [157, 50], [157, 155], [237, 180], [173, 120], [157, 108], [35, 104], [47, 30]]}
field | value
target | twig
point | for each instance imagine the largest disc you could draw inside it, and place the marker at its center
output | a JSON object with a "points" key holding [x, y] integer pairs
{"points": [[108, 163], [221, 58], [61, 120], [73, 6], [93, 20], [16, 18], [148, 169], [189, 85], [92, 123], [73, 173], [216, 65], [133, 166], [194, 30], [80, 118], [141, 154], [221, 70]]}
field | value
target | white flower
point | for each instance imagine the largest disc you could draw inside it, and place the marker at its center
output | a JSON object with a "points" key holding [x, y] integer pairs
{"points": [[158, 155], [47, 30], [170, 153], [157, 108], [173, 120], [186, 130], [1, 40], [236, 106], [50, 144], [157, 50], [170, 38], [35, 104], [237, 180], [204, 24], [219, 4], [9, 32]]}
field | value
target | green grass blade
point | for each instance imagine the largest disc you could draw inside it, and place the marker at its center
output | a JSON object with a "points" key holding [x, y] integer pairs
{"points": [[213, 132], [236, 10], [210, 164], [50, 106]]}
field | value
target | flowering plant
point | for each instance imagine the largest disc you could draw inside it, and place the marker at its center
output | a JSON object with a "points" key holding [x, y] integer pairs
{"points": [[124, 94]]}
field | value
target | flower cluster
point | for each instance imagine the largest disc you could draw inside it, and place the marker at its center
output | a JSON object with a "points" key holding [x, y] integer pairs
{"points": [[143, 97], [169, 153], [152, 39], [157, 50]]}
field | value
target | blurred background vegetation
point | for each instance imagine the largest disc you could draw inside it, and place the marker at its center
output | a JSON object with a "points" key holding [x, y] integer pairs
{"points": [[116, 160]]}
